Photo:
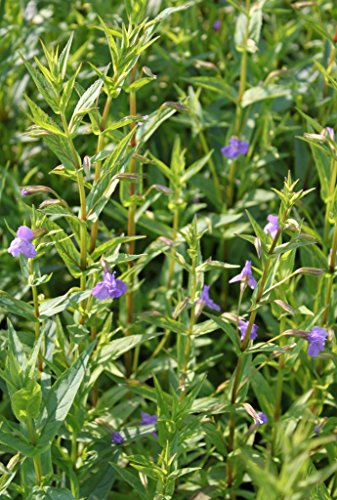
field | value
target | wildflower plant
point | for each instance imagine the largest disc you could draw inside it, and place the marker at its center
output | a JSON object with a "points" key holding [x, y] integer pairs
{"points": [[169, 246]]}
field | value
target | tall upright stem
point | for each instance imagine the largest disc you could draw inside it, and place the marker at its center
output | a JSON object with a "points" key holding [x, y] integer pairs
{"points": [[244, 343], [329, 203], [82, 215], [36, 458], [98, 166], [238, 114], [332, 265], [36, 310], [188, 344], [131, 222]]}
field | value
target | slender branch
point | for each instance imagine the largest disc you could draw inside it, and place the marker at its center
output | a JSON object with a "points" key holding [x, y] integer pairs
{"points": [[131, 225], [98, 166], [238, 114], [82, 215]]}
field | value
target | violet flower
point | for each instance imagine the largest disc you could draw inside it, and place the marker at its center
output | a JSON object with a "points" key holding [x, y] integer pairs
{"points": [[110, 287], [243, 325], [217, 25], [316, 338], [117, 438], [235, 148], [261, 418], [147, 419], [246, 275], [272, 227], [22, 243], [205, 299]]}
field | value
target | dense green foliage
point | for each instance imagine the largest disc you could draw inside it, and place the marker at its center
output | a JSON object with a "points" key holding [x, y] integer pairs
{"points": [[113, 116]]}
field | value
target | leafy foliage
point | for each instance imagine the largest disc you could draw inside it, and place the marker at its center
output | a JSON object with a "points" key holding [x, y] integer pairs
{"points": [[149, 142]]}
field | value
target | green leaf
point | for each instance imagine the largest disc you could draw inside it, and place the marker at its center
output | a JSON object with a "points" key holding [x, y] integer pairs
{"points": [[51, 307], [42, 119], [62, 150], [64, 57], [153, 122], [323, 165], [257, 94], [103, 189], [114, 349], [44, 87], [196, 167], [9, 304], [50, 493], [26, 402], [109, 246], [214, 84], [138, 84], [85, 104], [60, 399], [65, 248], [12, 438]]}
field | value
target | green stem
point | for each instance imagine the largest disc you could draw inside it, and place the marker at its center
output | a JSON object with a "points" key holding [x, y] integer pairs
{"points": [[332, 264], [332, 186], [188, 344], [238, 114], [175, 228], [131, 229], [82, 215], [36, 458], [36, 310], [98, 166], [74, 448], [244, 343], [216, 182]]}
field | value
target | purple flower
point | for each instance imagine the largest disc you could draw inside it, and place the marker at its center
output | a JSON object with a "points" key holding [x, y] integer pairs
{"points": [[22, 243], [243, 325], [261, 418], [235, 148], [217, 25], [205, 299], [117, 438], [246, 275], [316, 337], [25, 233], [147, 419], [272, 227], [24, 192], [110, 287]]}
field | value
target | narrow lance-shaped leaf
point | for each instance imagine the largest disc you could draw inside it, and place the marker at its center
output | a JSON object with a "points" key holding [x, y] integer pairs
{"points": [[60, 399]]}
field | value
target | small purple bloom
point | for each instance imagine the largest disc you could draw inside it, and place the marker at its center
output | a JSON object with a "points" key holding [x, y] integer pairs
{"points": [[316, 337], [243, 325], [272, 227], [24, 192], [317, 429], [25, 233], [110, 287], [246, 275], [147, 419], [205, 299], [217, 25], [22, 243], [117, 438], [261, 418], [235, 148]]}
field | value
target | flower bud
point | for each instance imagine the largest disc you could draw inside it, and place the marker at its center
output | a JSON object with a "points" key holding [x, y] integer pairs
{"points": [[31, 190]]}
